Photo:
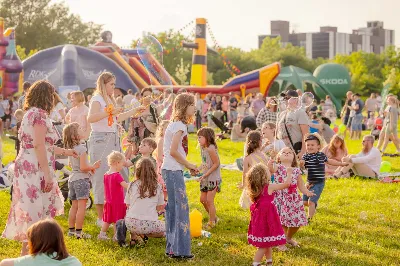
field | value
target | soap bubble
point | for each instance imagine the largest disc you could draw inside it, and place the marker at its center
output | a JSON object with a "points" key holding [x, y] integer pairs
{"points": [[150, 51]]}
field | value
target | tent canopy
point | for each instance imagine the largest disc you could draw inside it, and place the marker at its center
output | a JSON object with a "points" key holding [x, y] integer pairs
{"points": [[298, 77], [295, 76]]}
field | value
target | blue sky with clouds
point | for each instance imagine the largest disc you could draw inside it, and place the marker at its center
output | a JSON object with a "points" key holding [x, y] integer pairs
{"points": [[234, 22]]}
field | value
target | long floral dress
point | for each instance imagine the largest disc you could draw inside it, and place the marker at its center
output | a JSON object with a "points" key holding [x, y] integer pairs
{"points": [[288, 201], [29, 204]]}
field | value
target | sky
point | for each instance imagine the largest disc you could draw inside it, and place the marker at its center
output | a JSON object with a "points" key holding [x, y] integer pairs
{"points": [[234, 22]]}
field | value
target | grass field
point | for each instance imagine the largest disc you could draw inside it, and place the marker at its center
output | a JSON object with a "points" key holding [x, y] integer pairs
{"points": [[357, 223]]}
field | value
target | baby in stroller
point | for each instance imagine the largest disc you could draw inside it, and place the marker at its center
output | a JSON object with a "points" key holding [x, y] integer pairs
{"points": [[377, 127]]}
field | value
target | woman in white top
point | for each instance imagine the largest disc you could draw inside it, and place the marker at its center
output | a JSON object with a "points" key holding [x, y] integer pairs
{"points": [[104, 137], [58, 113]]}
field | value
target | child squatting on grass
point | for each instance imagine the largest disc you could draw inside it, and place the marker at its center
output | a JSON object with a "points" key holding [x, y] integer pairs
{"points": [[314, 161]]}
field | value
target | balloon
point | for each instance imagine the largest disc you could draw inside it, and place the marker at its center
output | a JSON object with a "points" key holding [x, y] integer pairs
{"points": [[335, 129], [342, 128], [332, 126], [385, 167]]}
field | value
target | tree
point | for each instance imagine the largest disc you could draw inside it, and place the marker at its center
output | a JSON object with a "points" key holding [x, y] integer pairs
{"points": [[181, 72], [22, 52], [41, 24]]}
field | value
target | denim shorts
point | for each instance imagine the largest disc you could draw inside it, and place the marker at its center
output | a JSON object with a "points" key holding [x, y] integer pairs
{"points": [[356, 124], [317, 188], [79, 189]]}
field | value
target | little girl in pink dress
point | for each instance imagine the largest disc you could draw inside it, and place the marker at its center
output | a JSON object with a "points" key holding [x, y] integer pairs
{"points": [[114, 206]]}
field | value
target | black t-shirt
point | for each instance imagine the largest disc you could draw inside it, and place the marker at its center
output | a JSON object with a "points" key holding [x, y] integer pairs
{"points": [[232, 101], [360, 105], [315, 165], [348, 109]]}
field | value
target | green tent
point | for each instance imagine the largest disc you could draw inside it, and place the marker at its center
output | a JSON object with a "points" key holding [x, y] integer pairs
{"points": [[295, 76], [298, 77]]}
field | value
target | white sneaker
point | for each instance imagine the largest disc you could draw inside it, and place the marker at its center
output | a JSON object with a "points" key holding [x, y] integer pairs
{"points": [[71, 233], [103, 236], [99, 223]]}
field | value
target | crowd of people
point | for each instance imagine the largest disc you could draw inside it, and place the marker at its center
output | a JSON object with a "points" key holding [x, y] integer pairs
{"points": [[283, 140]]}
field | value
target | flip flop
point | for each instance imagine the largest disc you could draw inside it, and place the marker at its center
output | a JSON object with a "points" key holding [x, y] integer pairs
{"points": [[293, 243]]}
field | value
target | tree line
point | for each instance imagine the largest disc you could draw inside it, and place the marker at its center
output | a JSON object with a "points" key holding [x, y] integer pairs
{"points": [[42, 24]]}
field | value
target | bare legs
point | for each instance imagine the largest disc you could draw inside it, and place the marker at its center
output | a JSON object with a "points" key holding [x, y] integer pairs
{"points": [[207, 199], [260, 254], [311, 209], [99, 209], [77, 214]]}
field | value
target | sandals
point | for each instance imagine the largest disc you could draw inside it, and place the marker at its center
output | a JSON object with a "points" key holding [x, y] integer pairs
{"points": [[293, 243], [282, 248], [138, 242]]}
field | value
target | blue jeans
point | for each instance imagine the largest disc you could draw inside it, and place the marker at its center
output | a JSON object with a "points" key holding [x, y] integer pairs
{"points": [[177, 214]]}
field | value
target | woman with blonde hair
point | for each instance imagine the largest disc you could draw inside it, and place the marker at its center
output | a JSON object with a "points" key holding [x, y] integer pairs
{"points": [[104, 137]]}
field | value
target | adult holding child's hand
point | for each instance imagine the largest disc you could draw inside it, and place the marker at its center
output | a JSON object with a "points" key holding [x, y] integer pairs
{"points": [[104, 138], [36, 195]]}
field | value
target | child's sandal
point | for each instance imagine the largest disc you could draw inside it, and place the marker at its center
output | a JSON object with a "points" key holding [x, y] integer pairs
{"points": [[210, 225]]}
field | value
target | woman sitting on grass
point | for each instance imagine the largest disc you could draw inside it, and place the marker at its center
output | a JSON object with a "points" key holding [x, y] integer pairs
{"points": [[336, 150], [46, 247]]}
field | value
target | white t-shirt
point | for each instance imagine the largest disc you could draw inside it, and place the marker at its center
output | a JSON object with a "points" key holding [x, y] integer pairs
{"points": [[55, 114], [127, 99], [102, 125], [135, 103], [169, 162], [278, 144], [143, 209], [373, 159]]}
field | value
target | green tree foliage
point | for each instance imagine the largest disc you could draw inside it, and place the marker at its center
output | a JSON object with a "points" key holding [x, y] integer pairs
{"points": [[41, 24], [23, 54]]}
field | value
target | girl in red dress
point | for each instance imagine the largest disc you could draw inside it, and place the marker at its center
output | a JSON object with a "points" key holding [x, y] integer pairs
{"points": [[265, 229]]}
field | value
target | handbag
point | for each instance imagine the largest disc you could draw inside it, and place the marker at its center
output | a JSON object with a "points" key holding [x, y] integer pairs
{"points": [[244, 200], [296, 146]]}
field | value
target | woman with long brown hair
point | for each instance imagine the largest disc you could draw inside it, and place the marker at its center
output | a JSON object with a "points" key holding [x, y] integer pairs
{"points": [[104, 137], [36, 195], [46, 247]]}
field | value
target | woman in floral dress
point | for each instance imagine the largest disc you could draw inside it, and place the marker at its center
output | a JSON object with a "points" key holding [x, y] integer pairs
{"points": [[36, 195]]}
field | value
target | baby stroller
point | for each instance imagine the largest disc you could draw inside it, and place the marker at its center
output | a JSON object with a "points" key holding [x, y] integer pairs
{"points": [[6, 174], [378, 125]]}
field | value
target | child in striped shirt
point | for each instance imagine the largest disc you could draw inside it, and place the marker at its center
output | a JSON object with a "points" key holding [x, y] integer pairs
{"points": [[314, 161]]}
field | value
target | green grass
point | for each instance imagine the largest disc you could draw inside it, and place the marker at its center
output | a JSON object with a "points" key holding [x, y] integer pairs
{"points": [[357, 223]]}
